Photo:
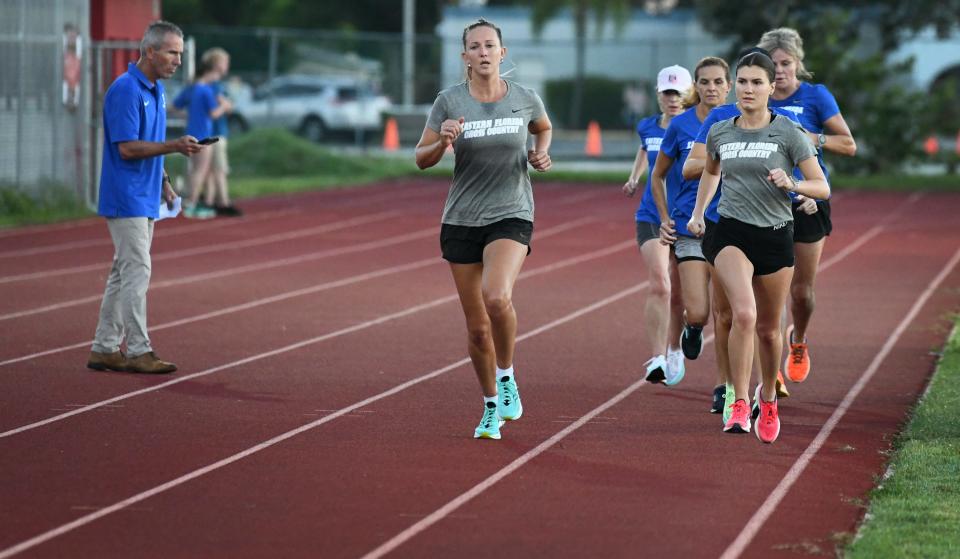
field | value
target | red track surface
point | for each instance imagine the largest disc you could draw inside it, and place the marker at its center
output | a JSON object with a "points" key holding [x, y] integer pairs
{"points": [[296, 317]]}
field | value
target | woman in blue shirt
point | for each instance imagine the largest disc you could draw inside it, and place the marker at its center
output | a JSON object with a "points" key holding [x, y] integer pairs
{"points": [[820, 116], [663, 311], [710, 88]]}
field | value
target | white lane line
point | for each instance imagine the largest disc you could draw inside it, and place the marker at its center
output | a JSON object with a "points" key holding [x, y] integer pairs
{"points": [[139, 497], [269, 264], [464, 498], [546, 233], [777, 495], [476, 490], [216, 247], [304, 343], [159, 233]]}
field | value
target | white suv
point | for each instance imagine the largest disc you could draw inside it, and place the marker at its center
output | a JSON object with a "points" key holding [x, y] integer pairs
{"points": [[311, 106]]}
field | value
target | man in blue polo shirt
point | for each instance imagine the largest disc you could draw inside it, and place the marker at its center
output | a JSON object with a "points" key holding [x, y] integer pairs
{"points": [[132, 186]]}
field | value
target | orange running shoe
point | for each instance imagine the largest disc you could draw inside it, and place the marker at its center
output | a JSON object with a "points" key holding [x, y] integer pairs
{"points": [[798, 359], [782, 391]]}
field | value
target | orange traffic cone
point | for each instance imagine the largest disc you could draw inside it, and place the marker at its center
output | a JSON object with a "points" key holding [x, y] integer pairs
{"points": [[391, 136], [931, 146], [594, 147]]}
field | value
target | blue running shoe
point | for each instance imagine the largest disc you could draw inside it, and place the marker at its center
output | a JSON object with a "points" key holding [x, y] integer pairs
{"points": [[490, 423], [508, 399], [719, 396]]}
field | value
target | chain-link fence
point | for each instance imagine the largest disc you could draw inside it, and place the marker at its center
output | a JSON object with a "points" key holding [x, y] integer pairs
{"points": [[44, 94]]}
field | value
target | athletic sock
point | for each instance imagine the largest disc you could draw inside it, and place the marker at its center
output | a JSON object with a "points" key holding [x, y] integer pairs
{"points": [[504, 375], [488, 399]]}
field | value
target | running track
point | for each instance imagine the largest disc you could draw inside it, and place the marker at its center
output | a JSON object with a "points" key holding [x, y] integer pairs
{"points": [[324, 404]]}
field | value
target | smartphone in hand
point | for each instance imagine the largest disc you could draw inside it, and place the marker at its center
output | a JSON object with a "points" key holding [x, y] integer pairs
{"points": [[208, 141]]}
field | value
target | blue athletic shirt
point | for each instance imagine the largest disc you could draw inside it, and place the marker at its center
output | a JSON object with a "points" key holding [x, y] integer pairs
{"points": [[651, 136], [199, 99], [814, 105], [133, 109], [723, 112], [220, 126], [677, 143]]}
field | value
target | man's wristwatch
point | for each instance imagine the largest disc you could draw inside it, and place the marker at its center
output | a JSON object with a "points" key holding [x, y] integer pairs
{"points": [[821, 139]]}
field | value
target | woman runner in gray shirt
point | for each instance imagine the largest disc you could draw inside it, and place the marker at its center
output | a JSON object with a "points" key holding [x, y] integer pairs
{"points": [[752, 251], [487, 220]]}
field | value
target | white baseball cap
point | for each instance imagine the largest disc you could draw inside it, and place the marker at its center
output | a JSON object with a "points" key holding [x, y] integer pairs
{"points": [[675, 78]]}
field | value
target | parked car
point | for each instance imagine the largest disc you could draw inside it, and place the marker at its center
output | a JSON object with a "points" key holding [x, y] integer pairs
{"points": [[312, 106]]}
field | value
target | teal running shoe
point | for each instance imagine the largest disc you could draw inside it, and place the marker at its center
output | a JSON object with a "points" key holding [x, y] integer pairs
{"points": [[729, 398], [508, 399], [490, 423], [675, 368]]}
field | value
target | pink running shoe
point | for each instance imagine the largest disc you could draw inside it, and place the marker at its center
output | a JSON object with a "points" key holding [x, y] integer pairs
{"points": [[768, 422], [739, 421]]}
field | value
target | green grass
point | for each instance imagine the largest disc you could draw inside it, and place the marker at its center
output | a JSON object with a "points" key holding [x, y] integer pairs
{"points": [[916, 511], [56, 203]]}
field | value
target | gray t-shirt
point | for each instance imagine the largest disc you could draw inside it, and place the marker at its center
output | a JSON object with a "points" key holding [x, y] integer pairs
{"points": [[746, 158], [490, 179]]}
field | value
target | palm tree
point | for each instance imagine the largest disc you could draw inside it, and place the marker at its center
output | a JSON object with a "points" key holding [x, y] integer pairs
{"points": [[544, 10]]}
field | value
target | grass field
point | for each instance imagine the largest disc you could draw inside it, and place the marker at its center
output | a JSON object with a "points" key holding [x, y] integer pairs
{"points": [[915, 510]]}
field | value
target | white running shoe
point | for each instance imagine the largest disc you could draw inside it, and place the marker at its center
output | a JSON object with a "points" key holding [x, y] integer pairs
{"points": [[656, 369], [675, 367]]}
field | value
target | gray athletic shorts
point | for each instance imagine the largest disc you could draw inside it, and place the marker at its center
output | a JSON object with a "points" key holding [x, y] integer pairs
{"points": [[688, 248]]}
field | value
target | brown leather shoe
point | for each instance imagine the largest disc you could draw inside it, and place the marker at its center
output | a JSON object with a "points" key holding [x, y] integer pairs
{"points": [[115, 361], [150, 364]]}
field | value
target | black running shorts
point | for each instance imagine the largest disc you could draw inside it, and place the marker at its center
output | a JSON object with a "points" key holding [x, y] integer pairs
{"points": [[812, 228], [461, 244], [768, 248]]}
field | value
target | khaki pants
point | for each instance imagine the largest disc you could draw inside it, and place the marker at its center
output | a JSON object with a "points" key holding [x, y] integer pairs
{"points": [[123, 312]]}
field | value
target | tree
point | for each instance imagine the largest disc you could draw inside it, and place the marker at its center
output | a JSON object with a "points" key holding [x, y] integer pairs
{"points": [[848, 46], [544, 10]]}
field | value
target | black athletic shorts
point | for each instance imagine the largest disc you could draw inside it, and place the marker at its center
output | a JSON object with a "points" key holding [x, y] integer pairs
{"points": [[768, 248], [461, 244], [709, 232], [647, 231], [812, 228]]}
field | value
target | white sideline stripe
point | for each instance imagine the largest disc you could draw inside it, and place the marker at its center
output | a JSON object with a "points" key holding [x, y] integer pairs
{"points": [[291, 294], [310, 256], [304, 343], [84, 520], [777, 495], [160, 233], [219, 247]]}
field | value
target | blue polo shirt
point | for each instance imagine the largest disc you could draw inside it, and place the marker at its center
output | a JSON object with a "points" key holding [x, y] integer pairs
{"points": [[199, 99], [133, 109], [651, 136], [677, 143]]}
